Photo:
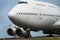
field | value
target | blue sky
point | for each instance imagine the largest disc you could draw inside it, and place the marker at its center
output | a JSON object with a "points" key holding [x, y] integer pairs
{"points": [[5, 7]]}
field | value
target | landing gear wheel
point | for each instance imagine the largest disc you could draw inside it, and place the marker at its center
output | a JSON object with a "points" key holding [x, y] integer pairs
{"points": [[50, 35], [27, 36]]}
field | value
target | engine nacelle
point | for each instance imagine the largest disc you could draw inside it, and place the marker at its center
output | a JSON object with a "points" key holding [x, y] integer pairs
{"points": [[21, 32], [11, 31]]}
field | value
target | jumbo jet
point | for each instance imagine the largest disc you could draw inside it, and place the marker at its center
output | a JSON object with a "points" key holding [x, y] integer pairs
{"points": [[32, 15]]}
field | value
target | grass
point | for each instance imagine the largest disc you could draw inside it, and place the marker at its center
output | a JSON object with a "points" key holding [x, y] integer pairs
{"points": [[34, 38]]}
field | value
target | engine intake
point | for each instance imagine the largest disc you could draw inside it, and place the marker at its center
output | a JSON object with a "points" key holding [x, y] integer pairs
{"points": [[11, 31], [19, 32]]}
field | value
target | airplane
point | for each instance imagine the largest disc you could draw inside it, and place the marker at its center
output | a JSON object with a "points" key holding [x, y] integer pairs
{"points": [[32, 15]]}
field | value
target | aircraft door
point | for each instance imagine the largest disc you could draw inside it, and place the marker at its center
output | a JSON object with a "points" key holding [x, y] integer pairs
{"points": [[39, 12]]}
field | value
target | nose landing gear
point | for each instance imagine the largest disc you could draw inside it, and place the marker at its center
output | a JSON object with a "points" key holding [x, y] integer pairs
{"points": [[50, 35]]}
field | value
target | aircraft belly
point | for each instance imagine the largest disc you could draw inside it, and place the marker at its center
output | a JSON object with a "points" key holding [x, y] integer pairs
{"points": [[45, 22]]}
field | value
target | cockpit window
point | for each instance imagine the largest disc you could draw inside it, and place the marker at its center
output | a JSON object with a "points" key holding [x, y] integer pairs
{"points": [[22, 2]]}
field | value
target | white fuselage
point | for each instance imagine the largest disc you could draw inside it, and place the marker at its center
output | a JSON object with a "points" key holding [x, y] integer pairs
{"points": [[34, 15]]}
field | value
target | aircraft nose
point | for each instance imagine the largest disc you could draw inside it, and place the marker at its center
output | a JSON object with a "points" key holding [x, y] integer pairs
{"points": [[10, 15]]}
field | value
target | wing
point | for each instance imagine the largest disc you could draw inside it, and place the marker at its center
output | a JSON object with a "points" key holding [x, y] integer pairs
{"points": [[57, 24]]}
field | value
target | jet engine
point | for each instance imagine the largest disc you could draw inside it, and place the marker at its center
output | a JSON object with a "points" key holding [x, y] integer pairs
{"points": [[11, 31], [21, 32]]}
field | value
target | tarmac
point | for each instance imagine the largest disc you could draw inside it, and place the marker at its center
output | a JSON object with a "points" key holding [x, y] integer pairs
{"points": [[33, 38]]}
